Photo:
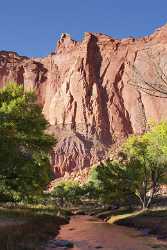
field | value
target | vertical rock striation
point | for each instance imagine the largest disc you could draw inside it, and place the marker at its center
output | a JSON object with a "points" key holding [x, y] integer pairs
{"points": [[86, 92]]}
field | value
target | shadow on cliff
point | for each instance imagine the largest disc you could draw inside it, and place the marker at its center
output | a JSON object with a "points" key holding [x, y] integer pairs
{"points": [[94, 59]]}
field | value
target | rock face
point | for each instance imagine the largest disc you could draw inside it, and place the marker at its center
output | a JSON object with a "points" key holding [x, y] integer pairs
{"points": [[87, 95]]}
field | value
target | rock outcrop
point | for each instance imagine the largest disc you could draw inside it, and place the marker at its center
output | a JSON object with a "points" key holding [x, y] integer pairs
{"points": [[90, 92]]}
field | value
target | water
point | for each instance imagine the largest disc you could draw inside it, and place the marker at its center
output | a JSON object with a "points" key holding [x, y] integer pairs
{"points": [[88, 233]]}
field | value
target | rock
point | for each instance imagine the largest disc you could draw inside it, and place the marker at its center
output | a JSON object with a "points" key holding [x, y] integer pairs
{"points": [[146, 231], [85, 91], [162, 237], [64, 243], [60, 243]]}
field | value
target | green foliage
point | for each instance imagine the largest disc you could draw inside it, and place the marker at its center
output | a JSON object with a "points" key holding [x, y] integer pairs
{"points": [[141, 171], [24, 145], [90, 191], [147, 157], [67, 193], [109, 181]]}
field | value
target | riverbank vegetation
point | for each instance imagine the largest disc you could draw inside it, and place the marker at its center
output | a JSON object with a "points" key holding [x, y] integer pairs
{"points": [[132, 180], [24, 148], [27, 217], [28, 227], [123, 188]]}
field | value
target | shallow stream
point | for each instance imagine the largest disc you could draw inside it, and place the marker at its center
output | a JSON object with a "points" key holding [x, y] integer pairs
{"points": [[88, 233]]}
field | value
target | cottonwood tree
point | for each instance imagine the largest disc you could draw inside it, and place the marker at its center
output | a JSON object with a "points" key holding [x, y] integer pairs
{"points": [[147, 159], [24, 145], [109, 181], [140, 174]]}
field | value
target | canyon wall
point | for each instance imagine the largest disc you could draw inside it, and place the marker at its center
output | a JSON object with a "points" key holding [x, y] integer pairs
{"points": [[90, 92]]}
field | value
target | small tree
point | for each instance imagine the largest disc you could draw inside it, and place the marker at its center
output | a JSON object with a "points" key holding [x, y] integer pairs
{"points": [[24, 145]]}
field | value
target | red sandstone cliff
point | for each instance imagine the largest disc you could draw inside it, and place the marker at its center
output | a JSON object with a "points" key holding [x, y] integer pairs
{"points": [[85, 92]]}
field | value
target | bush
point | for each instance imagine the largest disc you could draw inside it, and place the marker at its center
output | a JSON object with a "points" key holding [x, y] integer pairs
{"points": [[67, 193]]}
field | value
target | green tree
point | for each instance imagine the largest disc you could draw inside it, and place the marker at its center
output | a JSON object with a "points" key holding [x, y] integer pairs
{"points": [[24, 145], [147, 158], [68, 193], [90, 191], [109, 180], [140, 173]]}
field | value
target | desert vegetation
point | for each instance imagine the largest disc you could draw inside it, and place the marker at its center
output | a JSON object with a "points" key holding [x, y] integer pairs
{"points": [[27, 217], [24, 147], [134, 177], [122, 187]]}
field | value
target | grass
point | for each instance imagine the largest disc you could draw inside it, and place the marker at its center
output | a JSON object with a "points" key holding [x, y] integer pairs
{"points": [[27, 227]]}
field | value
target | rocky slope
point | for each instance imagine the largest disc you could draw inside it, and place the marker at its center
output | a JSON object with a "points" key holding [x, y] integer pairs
{"points": [[88, 91]]}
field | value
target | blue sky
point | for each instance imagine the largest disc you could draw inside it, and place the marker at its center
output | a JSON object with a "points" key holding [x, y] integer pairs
{"points": [[32, 27]]}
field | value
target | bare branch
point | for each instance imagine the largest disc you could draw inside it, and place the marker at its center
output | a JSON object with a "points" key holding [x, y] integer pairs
{"points": [[157, 87]]}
